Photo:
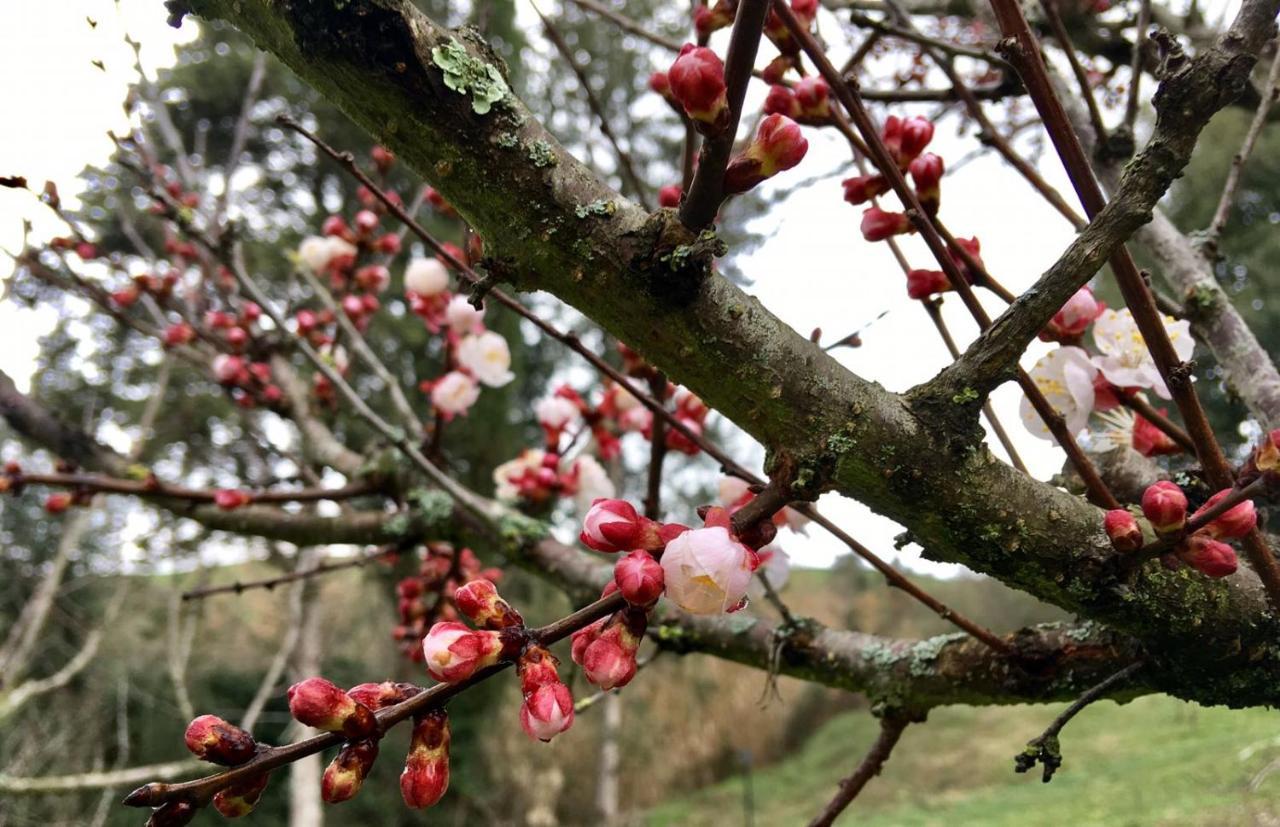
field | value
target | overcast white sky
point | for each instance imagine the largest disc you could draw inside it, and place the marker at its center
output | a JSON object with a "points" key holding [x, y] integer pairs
{"points": [[815, 272]]}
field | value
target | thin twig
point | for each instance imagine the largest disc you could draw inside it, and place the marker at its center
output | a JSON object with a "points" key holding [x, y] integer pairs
{"points": [[892, 725], [1135, 66], [269, 583], [1082, 77]]}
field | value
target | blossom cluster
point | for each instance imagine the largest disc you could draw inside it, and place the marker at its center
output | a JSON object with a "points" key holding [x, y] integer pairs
{"points": [[431, 593]]}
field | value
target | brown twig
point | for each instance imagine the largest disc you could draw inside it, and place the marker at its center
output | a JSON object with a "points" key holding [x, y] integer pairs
{"points": [[657, 451], [269, 583], [892, 724], [1135, 65], [152, 488], [706, 191], [1082, 77]]}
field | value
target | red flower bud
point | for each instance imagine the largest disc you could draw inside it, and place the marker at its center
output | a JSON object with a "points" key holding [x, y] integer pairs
{"points": [[660, 82], [375, 696], [639, 578], [454, 652], [778, 68], [611, 525], [878, 224], [1208, 556], [178, 334], [778, 145], [366, 222], [813, 95], [781, 101], [229, 499], [1070, 323], [236, 338], [609, 661], [670, 195], [239, 798], [1123, 530], [335, 225], [697, 84], [926, 172], [862, 188], [479, 602], [383, 158], [547, 711], [921, 284], [1234, 523], [1165, 506], [318, 703], [57, 503], [214, 740], [906, 139], [426, 769], [1149, 440], [347, 771]]}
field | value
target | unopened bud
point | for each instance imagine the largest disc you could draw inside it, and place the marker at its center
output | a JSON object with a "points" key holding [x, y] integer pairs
{"points": [[777, 146], [1123, 530], [697, 84], [239, 798], [639, 578], [318, 703], [454, 652], [862, 188], [1208, 556], [214, 740], [479, 602], [377, 696], [172, 814], [921, 284], [878, 224], [1234, 523], [1165, 506], [426, 770], [670, 195], [547, 711], [611, 525], [229, 499], [347, 771]]}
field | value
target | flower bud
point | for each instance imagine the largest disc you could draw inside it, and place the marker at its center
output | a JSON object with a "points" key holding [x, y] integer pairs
{"points": [[347, 771], [781, 101], [180, 333], [609, 661], [1123, 530], [660, 82], [172, 814], [239, 798], [862, 188], [426, 277], [214, 740], [1232, 524], [639, 578], [777, 68], [697, 84], [926, 172], [1070, 323], [1149, 440], [229, 370], [906, 138], [878, 224], [670, 195], [1210, 557], [921, 284], [778, 145], [706, 571], [536, 667], [710, 19], [547, 711], [454, 652], [229, 499], [426, 769], [1165, 506], [479, 602], [318, 703], [58, 502], [611, 525], [814, 98]]}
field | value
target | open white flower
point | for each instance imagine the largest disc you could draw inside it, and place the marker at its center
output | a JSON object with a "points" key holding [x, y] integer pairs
{"points": [[426, 276], [1065, 377], [555, 412], [455, 393], [487, 357], [705, 571], [593, 483], [463, 317], [1125, 360], [316, 251]]}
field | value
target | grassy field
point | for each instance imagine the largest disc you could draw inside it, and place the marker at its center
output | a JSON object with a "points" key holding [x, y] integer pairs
{"points": [[1155, 761]]}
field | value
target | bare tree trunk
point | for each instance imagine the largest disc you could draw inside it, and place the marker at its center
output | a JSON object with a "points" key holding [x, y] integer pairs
{"points": [[607, 779], [305, 808]]}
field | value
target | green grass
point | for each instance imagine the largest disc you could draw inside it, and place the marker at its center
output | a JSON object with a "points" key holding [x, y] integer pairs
{"points": [[1155, 761]]}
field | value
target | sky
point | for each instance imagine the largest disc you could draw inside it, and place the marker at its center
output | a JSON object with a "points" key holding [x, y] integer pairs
{"points": [[813, 271]]}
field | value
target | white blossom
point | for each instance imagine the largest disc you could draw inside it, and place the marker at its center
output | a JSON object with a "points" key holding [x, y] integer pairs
{"points": [[593, 483], [454, 393], [487, 357], [556, 412], [1125, 360], [426, 276], [706, 571], [1065, 377], [463, 317]]}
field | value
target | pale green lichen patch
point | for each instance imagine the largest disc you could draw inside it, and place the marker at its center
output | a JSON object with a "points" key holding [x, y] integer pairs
{"points": [[599, 207], [468, 75], [542, 155]]}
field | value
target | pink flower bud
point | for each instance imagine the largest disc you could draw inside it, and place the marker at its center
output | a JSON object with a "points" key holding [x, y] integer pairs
{"points": [[229, 499], [710, 19], [479, 602], [660, 82], [926, 172], [1210, 557], [609, 661], [375, 696], [426, 770], [1149, 440], [57, 503], [779, 66], [862, 188], [536, 667], [178, 334], [347, 771], [1123, 530], [610, 525], [1070, 323], [778, 145], [906, 139], [670, 195], [454, 652], [239, 798], [335, 225], [697, 84], [878, 224], [366, 222], [229, 370], [781, 101], [547, 711], [1165, 506], [639, 578], [587, 635], [1234, 523], [921, 284], [318, 703], [214, 740], [813, 96]]}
